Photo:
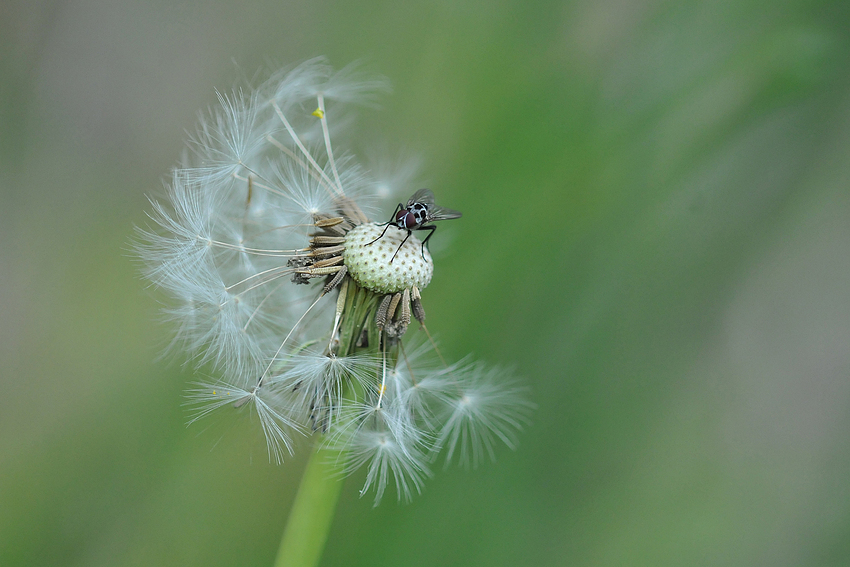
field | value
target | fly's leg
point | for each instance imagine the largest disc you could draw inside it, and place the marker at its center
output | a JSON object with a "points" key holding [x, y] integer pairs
{"points": [[387, 225], [409, 232], [430, 227]]}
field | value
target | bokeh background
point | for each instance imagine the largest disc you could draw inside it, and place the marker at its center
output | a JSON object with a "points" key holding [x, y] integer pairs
{"points": [[656, 233]]}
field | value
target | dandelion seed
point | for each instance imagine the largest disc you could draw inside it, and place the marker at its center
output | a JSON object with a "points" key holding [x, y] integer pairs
{"points": [[482, 406], [301, 303]]}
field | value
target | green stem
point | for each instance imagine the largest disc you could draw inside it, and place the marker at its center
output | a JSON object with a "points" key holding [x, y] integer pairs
{"points": [[313, 511]]}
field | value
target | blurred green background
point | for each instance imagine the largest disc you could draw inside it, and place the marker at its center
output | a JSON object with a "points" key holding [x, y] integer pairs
{"points": [[656, 233]]}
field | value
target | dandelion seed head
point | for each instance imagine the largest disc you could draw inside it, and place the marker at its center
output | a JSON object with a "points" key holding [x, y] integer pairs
{"points": [[285, 289], [368, 257]]}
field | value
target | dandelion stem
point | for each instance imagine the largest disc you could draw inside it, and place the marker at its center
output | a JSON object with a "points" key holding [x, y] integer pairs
{"points": [[313, 510]]}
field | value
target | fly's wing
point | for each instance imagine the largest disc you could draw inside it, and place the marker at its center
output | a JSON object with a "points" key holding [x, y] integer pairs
{"points": [[424, 196], [441, 213]]}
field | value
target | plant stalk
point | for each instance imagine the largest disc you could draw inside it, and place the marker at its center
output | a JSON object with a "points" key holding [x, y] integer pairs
{"points": [[313, 511]]}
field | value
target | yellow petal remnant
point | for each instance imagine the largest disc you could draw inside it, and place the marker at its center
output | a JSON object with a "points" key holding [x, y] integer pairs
{"points": [[319, 113]]}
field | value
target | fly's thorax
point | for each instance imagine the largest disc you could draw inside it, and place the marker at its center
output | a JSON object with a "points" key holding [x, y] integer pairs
{"points": [[369, 258], [419, 212]]}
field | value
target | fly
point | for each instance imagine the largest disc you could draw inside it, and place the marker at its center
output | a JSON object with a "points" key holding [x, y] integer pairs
{"points": [[420, 211]]}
